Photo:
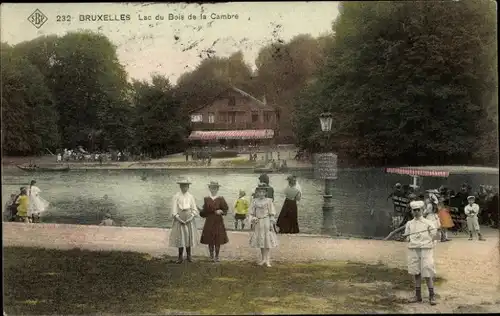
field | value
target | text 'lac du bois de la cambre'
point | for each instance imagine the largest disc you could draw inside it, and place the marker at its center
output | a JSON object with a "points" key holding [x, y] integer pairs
{"points": [[157, 17]]}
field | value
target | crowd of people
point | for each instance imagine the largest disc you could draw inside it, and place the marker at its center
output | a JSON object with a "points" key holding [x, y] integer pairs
{"points": [[461, 211], [260, 213]]}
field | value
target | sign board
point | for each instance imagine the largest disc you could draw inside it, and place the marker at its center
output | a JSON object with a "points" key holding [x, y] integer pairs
{"points": [[325, 166]]}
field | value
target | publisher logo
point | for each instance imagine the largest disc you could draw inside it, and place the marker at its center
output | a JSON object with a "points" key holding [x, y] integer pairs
{"points": [[37, 18]]}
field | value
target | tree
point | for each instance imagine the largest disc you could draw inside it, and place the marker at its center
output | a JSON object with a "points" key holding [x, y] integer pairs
{"points": [[211, 77], [161, 125], [29, 116], [284, 69], [407, 81]]}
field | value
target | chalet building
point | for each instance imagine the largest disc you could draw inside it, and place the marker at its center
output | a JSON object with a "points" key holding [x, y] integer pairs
{"points": [[234, 118]]}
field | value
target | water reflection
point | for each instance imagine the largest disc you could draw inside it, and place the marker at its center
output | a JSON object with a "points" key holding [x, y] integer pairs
{"points": [[79, 196]]}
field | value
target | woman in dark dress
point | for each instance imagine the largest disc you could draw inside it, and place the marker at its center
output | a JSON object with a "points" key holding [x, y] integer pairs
{"points": [[287, 220], [214, 232]]}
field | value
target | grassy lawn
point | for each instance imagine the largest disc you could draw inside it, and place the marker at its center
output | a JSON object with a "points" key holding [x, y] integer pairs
{"points": [[41, 281]]}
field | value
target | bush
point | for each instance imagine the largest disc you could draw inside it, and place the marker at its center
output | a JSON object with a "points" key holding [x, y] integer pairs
{"points": [[225, 154]]}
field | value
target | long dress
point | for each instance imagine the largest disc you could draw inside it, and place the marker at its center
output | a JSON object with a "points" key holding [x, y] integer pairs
{"points": [[37, 204], [183, 236], [263, 235], [287, 220], [214, 231]]}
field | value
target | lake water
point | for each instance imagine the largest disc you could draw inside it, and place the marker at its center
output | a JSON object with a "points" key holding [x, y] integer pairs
{"points": [[83, 197]]}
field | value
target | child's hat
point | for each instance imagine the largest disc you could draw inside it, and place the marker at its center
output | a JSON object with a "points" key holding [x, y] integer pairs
{"points": [[471, 197], [415, 205], [242, 192], [107, 215]]}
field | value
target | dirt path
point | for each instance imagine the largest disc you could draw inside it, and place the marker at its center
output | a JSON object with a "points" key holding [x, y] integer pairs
{"points": [[471, 268]]}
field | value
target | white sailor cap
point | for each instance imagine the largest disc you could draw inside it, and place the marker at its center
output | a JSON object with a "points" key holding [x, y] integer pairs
{"points": [[417, 205]]}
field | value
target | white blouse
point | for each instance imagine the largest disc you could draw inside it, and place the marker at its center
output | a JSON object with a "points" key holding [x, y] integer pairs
{"points": [[184, 201]]}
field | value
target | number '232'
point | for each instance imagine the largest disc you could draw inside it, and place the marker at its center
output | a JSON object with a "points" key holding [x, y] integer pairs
{"points": [[63, 18]]}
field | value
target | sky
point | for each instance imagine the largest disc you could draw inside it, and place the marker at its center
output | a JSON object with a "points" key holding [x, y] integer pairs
{"points": [[172, 47]]}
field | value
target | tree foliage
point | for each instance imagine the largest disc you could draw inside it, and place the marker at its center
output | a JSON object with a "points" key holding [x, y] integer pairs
{"points": [[211, 77], [28, 109], [161, 124], [408, 82]]}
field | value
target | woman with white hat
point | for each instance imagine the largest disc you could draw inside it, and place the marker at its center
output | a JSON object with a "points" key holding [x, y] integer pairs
{"points": [[184, 233], [214, 232], [471, 211], [262, 215]]}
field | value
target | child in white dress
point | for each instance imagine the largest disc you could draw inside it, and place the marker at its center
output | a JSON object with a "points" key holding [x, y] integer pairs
{"points": [[421, 233], [184, 233], [263, 217]]}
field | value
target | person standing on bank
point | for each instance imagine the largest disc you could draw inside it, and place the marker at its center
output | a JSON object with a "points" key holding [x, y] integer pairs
{"points": [[241, 206], [264, 178], [214, 232], [184, 233], [22, 203], [37, 204], [287, 220], [472, 212], [262, 216], [421, 233]]}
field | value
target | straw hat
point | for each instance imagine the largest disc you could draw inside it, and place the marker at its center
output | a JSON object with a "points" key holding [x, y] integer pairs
{"points": [[183, 181], [214, 184], [415, 205]]}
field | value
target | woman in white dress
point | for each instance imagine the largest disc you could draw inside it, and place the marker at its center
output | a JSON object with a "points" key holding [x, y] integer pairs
{"points": [[430, 213], [263, 217], [37, 204], [184, 233]]}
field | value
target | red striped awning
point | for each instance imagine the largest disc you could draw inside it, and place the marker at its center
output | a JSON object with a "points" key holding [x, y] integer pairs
{"points": [[418, 172], [236, 134]]}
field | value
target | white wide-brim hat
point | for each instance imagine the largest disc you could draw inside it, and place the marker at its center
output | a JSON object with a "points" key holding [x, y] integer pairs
{"points": [[183, 181]]}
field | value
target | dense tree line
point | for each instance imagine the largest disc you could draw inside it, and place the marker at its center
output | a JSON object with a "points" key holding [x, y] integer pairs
{"points": [[408, 83]]}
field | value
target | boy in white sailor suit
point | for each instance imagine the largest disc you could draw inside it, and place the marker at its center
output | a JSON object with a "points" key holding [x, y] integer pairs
{"points": [[421, 232]]}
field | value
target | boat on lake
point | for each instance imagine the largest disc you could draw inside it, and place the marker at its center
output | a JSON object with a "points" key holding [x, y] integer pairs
{"points": [[44, 169]]}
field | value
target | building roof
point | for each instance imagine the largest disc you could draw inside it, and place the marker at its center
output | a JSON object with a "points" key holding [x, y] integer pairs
{"points": [[239, 91]]}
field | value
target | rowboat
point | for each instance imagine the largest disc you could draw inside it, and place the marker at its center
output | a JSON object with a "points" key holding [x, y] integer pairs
{"points": [[44, 169]]}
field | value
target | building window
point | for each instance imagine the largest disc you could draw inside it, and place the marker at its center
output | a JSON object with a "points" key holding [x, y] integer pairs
{"points": [[196, 118], [231, 117], [255, 117], [211, 118], [232, 101], [267, 117]]}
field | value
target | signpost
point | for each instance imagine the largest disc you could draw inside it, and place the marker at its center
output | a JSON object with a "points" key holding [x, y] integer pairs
{"points": [[325, 167]]}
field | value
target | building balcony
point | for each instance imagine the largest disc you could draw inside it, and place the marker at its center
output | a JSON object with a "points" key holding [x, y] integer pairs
{"points": [[232, 126]]}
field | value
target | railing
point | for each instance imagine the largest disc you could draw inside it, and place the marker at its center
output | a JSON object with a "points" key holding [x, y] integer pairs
{"points": [[232, 126]]}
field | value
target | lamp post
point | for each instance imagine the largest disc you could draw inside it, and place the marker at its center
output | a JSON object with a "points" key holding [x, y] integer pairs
{"points": [[326, 168]]}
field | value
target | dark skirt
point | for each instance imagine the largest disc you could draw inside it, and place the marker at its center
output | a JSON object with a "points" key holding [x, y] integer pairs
{"points": [[214, 231], [287, 220]]}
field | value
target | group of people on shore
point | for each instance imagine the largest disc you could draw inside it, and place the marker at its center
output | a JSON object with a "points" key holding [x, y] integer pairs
{"points": [[471, 209], [25, 206], [260, 213]]}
